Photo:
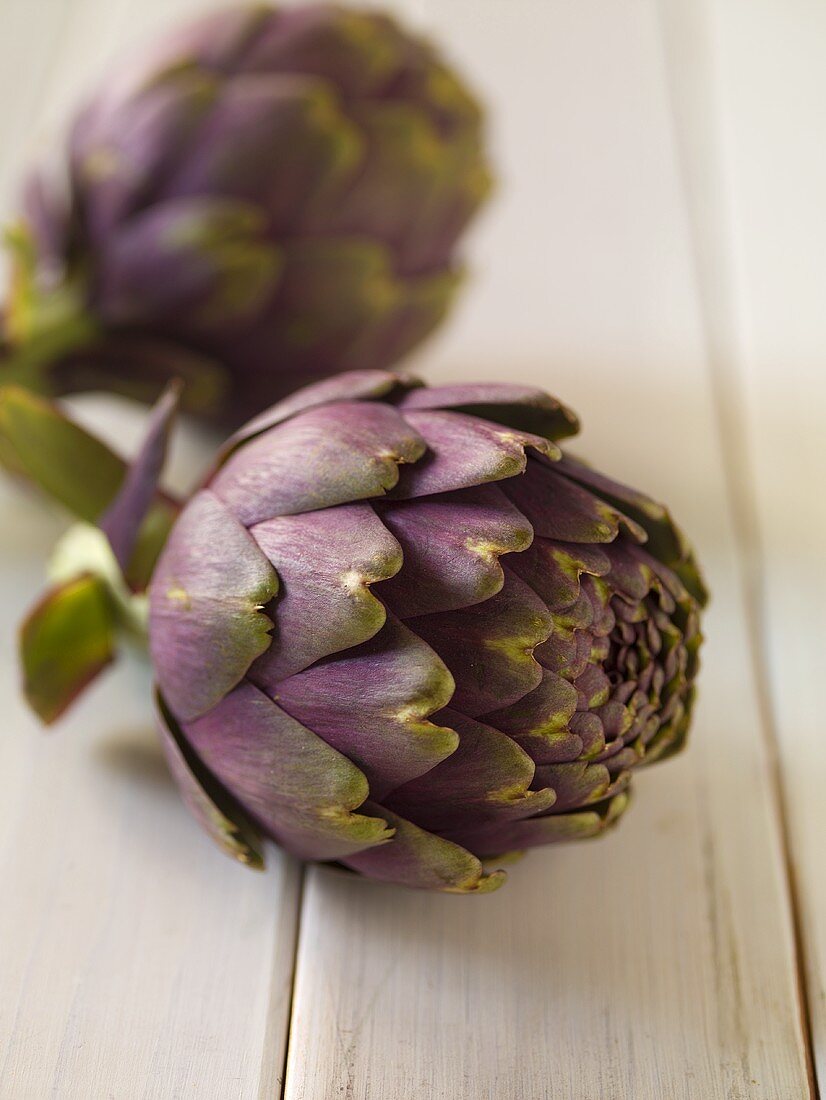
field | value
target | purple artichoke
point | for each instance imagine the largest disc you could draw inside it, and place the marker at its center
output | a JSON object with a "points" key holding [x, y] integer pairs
{"points": [[398, 629], [266, 198]]}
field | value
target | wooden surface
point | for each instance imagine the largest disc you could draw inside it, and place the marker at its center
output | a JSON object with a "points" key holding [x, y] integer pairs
{"points": [[656, 257]]}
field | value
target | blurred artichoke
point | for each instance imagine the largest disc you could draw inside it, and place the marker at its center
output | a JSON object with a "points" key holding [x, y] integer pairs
{"points": [[396, 628], [265, 198]]}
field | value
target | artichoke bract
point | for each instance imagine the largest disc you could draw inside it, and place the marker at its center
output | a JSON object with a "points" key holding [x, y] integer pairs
{"points": [[260, 200], [398, 629]]}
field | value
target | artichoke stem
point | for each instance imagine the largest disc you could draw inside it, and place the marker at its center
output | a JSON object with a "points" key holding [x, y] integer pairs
{"points": [[41, 324], [29, 362]]}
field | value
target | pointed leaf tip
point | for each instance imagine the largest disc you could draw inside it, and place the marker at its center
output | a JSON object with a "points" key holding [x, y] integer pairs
{"points": [[66, 640], [122, 521], [43, 445], [213, 808]]}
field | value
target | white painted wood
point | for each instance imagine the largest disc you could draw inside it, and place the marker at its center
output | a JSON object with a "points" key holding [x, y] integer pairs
{"points": [[770, 88], [658, 962]]}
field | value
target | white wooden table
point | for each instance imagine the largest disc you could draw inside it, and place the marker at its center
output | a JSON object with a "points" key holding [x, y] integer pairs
{"points": [[657, 257]]}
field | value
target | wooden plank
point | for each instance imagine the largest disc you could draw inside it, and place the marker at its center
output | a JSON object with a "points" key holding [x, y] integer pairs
{"points": [[135, 959], [657, 962], [771, 87]]}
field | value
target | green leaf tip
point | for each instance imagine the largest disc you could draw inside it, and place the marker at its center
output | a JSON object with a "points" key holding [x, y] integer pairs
{"points": [[39, 442], [66, 640]]}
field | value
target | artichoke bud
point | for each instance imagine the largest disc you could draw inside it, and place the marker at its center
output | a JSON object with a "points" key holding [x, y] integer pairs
{"points": [[398, 629], [258, 200]]}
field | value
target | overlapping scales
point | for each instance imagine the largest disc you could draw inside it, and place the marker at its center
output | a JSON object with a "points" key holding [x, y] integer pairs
{"points": [[261, 199], [470, 648]]}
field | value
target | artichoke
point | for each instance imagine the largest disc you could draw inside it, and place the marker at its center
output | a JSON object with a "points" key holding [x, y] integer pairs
{"points": [[399, 630], [263, 199]]}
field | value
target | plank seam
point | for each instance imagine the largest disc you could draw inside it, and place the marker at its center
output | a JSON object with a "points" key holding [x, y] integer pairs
{"points": [[293, 978]]}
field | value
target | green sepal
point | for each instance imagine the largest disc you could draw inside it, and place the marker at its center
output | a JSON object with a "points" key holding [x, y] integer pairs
{"points": [[152, 537], [65, 642], [62, 459], [43, 446], [40, 326], [84, 550]]}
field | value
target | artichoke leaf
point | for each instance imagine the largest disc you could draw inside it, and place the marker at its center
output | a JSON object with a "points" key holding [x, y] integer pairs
{"points": [[69, 464], [66, 640], [212, 807]]}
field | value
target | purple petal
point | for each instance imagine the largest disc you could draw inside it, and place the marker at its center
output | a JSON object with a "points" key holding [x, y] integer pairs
{"points": [[335, 454], [409, 182], [577, 784], [326, 562], [488, 777], [489, 647], [565, 652], [122, 143], [523, 407], [355, 385], [451, 545], [342, 304], [464, 451], [122, 520], [540, 720], [206, 626], [372, 703], [665, 541], [423, 860], [492, 840], [214, 809], [593, 688], [260, 119], [296, 787], [198, 264], [559, 509], [630, 571], [358, 52], [639, 504], [553, 569]]}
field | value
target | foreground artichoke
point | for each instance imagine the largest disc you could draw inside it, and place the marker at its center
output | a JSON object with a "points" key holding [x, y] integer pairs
{"points": [[398, 629], [266, 198]]}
